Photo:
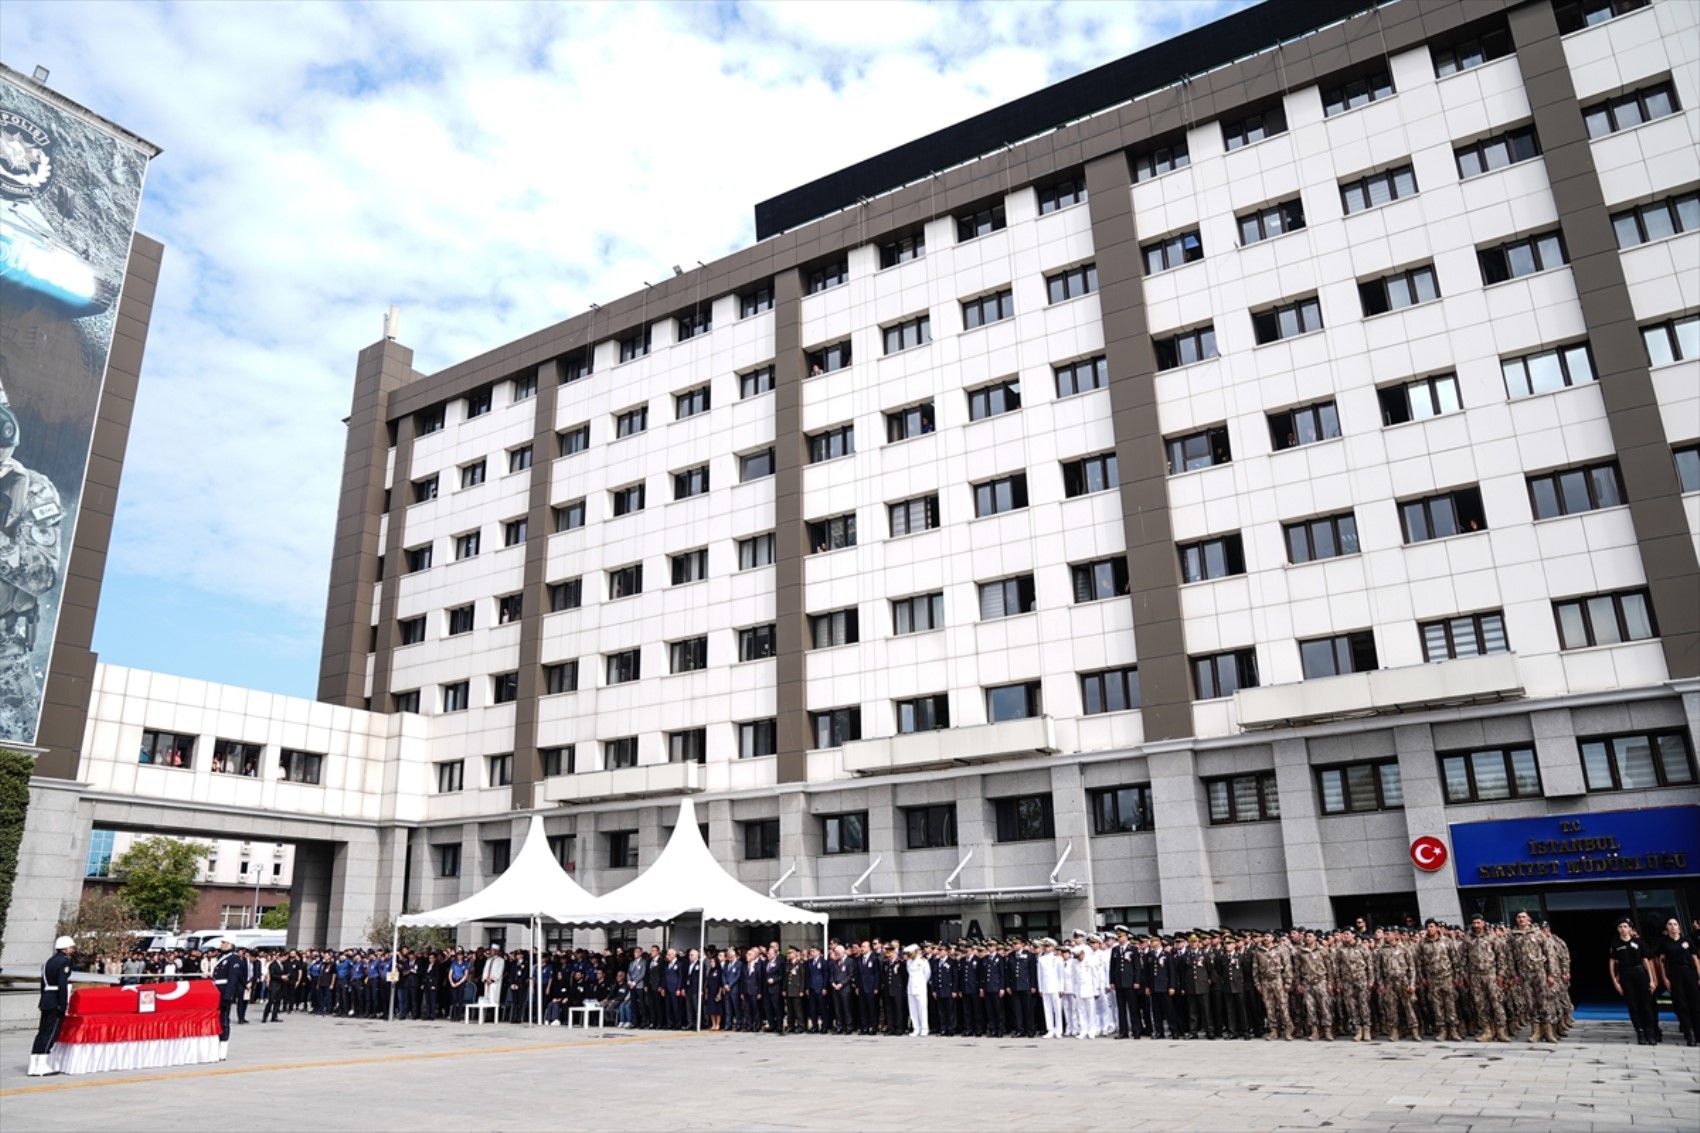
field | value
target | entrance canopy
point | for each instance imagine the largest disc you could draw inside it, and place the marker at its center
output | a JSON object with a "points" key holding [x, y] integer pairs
{"points": [[533, 887], [687, 879]]}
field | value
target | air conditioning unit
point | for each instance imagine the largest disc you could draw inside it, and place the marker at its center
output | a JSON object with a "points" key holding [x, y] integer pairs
{"points": [[277, 851], [247, 847]]}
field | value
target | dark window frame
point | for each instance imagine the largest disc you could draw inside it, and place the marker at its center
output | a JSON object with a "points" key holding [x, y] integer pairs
{"points": [[908, 334], [999, 305], [1024, 818], [1348, 804], [1303, 425], [844, 833], [623, 667], [625, 581], [1244, 669], [1025, 593], [1450, 630], [689, 655], [1116, 689], [1344, 654], [1269, 121], [1088, 580], [1210, 445], [1341, 529], [1566, 356], [1263, 784], [1606, 112], [1399, 291], [1000, 495], [1522, 257], [1062, 193], [1382, 187], [930, 826], [832, 444], [932, 710], [980, 222], [686, 567], [1472, 783], [928, 507], [833, 533], [693, 402], [758, 642], [1594, 491], [835, 726], [1370, 85], [690, 483], [1209, 559], [994, 400], [1465, 508], [1658, 752], [1269, 324], [1681, 213], [1113, 812], [1509, 147], [1083, 375], [1584, 604], [1267, 222]]}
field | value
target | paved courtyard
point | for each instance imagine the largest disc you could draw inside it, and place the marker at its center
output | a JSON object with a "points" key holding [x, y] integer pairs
{"points": [[316, 1074]]}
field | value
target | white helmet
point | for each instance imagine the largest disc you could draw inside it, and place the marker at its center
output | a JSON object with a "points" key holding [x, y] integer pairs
{"points": [[63, 943]]}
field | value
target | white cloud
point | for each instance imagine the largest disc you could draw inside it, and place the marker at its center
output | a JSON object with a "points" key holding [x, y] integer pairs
{"points": [[490, 168]]}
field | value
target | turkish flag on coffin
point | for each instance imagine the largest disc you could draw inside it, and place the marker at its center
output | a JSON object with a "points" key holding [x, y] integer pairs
{"points": [[182, 1010]]}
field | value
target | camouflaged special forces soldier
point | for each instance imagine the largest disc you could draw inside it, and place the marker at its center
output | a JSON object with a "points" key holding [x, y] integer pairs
{"points": [[1434, 968], [1563, 1016], [1486, 976], [1311, 976], [30, 514], [1355, 972], [1274, 977], [1398, 985], [1534, 977]]}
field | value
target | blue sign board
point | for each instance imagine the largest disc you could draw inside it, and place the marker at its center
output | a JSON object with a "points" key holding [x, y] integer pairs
{"points": [[1613, 845]]}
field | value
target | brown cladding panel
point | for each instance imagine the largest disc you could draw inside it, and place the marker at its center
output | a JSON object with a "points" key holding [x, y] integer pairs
{"points": [[791, 665], [527, 769]]}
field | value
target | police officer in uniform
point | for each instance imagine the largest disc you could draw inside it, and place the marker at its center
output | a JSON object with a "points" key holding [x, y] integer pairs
{"points": [[1634, 977], [55, 1000], [30, 515], [231, 975]]}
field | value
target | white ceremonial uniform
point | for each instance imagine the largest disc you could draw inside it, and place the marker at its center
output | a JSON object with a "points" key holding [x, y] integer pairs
{"points": [[1106, 994], [920, 972], [1051, 973]]}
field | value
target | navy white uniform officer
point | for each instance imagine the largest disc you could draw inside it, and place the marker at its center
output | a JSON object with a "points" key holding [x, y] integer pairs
{"points": [[55, 1000]]}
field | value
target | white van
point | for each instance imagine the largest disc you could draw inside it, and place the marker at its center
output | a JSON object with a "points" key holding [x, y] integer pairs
{"points": [[255, 940]]}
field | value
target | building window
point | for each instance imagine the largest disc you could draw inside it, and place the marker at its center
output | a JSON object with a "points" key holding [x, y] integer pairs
{"points": [[758, 738], [1467, 635], [755, 301], [691, 482], [1109, 690], [1338, 655], [1326, 537], [1361, 788], [523, 389], [472, 475], [832, 534], [832, 357], [757, 381], [993, 400], [99, 860], [1588, 13], [509, 608], [691, 566], [1083, 280], [757, 642], [756, 551], [1079, 377], [1090, 474], [1604, 619], [761, 840], [513, 532], [632, 422], [428, 421], [688, 746], [930, 827], [1006, 597], [902, 249], [1657, 220], [1254, 127], [688, 656], [457, 696], [451, 776], [908, 334], [1013, 702], [828, 276], [755, 465], [634, 345], [918, 614], [1490, 775], [519, 459], [1473, 52], [695, 323], [1627, 110], [467, 545], [461, 619], [1220, 557], [691, 402], [1420, 399], [1376, 189], [448, 861], [498, 852], [573, 370], [1497, 152], [1185, 347], [501, 770], [1575, 490], [1271, 221], [1518, 258], [841, 627], [1289, 320], [625, 666], [1025, 818], [836, 726], [1204, 449], [1243, 798], [623, 582], [1217, 675], [620, 754], [558, 761], [922, 714], [575, 440], [1687, 467], [569, 516], [559, 678], [988, 309], [1548, 370], [504, 688], [300, 766], [1160, 160], [622, 849], [627, 500], [911, 516], [1441, 516], [830, 444], [1305, 425], [1171, 252], [1397, 291], [478, 403], [1061, 194], [845, 833], [1356, 92], [232, 757], [994, 497], [1121, 810], [167, 749], [913, 421], [418, 559], [566, 595], [982, 223], [1637, 762], [1675, 340], [1096, 581], [425, 490]]}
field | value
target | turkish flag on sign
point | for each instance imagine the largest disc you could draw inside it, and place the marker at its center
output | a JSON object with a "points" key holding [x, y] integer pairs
{"points": [[1428, 853]]}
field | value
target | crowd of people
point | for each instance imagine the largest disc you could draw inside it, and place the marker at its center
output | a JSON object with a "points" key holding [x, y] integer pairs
{"points": [[1441, 982]]}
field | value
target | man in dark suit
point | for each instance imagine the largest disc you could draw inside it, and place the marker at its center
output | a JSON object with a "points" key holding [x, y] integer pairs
{"points": [[773, 990], [816, 985], [1160, 979], [673, 988], [992, 987], [732, 981], [693, 989], [868, 990], [841, 976], [1124, 978], [749, 995], [1022, 978]]}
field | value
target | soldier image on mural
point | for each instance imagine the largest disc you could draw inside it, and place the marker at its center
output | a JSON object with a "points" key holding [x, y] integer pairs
{"points": [[69, 191]]}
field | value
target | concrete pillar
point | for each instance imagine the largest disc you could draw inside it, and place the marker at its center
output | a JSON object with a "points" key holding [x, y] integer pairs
{"points": [[1185, 878], [310, 894], [51, 859], [354, 889], [1557, 754], [1425, 814], [1073, 826], [1301, 835], [1691, 710]]}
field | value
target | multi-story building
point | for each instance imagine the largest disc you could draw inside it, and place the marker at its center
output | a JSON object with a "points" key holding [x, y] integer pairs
{"points": [[1175, 516], [239, 880]]}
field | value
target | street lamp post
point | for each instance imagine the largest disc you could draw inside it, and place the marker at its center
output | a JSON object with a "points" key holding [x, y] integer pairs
{"points": [[259, 872]]}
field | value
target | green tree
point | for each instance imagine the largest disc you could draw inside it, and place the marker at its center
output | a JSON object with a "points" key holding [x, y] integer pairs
{"points": [[159, 877], [276, 917], [420, 938], [15, 771], [102, 925]]}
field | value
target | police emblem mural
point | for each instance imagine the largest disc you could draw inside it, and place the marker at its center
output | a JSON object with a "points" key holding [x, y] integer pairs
{"points": [[69, 192]]}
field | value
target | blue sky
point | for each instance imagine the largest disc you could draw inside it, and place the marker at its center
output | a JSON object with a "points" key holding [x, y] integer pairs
{"points": [[489, 168]]}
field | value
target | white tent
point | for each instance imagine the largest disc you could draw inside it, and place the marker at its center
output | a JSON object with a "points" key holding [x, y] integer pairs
{"points": [[534, 888]]}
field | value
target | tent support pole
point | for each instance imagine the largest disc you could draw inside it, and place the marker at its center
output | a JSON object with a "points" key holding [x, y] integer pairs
{"points": [[702, 966]]}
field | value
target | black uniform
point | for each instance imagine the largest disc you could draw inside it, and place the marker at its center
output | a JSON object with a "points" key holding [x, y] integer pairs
{"points": [[276, 990], [230, 973], [55, 1001], [1677, 959], [1630, 960]]}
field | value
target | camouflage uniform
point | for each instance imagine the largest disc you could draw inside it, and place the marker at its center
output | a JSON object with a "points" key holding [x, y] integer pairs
{"points": [[1398, 992], [1272, 974], [1483, 963], [1434, 966], [1311, 975], [1534, 977], [1563, 1009], [1356, 969], [30, 514]]}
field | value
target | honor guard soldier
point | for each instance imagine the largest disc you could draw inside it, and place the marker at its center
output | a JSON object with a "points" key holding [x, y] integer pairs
{"points": [[55, 1001], [230, 974]]}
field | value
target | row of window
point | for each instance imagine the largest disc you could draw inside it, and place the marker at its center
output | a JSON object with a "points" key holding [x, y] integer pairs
{"points": [[229, 757]]}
